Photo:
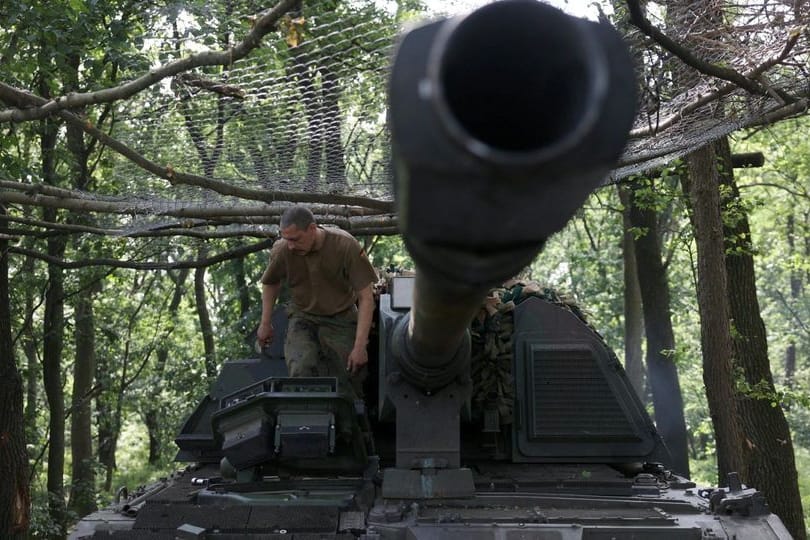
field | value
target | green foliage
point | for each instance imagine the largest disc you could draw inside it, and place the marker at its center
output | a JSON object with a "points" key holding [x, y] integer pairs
{"points": [[42, 524], [765, 391], [584, 261], [135, 469], [235, 329], [799, 419], [388, 252], [659, 194], [802, 465], [704, 470]]}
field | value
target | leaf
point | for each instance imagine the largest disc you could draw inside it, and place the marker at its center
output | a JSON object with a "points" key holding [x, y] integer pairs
{"points": [[295, 30]]}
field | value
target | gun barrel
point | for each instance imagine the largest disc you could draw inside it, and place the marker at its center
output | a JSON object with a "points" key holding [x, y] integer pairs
{"points": [[503, 121]]}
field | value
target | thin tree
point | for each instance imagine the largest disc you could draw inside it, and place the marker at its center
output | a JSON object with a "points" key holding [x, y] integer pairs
{"points": [[206, 328], [83, 477], [31, 352], [154, 414], [54, 322], [796, 291], [633, 312], [662, 372]]}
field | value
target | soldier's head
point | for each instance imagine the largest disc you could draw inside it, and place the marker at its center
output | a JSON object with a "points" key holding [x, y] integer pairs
{"points": [[299, 229]]}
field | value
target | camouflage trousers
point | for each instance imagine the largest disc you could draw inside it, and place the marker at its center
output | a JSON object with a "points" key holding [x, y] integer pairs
{"points": [[319, 346]]}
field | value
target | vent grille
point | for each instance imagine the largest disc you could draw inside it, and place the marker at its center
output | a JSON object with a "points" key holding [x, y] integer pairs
{"points": [[572, 399]]}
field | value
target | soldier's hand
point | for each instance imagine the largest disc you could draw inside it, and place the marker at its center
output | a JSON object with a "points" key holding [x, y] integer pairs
{"points": [[264, 335], [357, 359]]}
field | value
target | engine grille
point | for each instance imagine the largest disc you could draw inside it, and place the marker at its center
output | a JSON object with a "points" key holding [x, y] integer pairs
{"points": [[572, 398]]}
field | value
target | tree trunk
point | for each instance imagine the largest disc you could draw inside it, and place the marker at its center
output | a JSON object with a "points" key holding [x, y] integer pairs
{"points": [[703, 190], [771, 462], [152, 421], [29, 345], [205, 320], [790, 366], [106, 426], [153, 415], [15, 500], [806, 244], [333, 145], [83, 477], [661, 370], [54, 322], [796, 287], [83, 487], [32, 376], [260, 165], [242, 288], [52, 345], [305, 74], [633, 314]]}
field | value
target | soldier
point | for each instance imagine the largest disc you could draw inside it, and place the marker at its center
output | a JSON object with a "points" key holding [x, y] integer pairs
{"points": [[331, 280]]}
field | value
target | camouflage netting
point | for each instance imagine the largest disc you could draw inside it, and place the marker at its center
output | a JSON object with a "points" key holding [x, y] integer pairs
{"points": [[492, 332], [302, 118]]}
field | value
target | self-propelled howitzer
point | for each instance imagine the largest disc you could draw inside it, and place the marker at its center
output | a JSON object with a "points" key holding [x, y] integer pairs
{"points": [[502, 121]]}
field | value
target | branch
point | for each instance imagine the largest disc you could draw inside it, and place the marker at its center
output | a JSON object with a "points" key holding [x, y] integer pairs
{"points": [[236, 253], [261, 27], [780, 113], [227, 90], [803, 195], [704, 99], [672, 119], [56, 229], [34, 190], [686, 56], [50, 197], [742, 160], [132, 207], [187, 228], [793, 313]]}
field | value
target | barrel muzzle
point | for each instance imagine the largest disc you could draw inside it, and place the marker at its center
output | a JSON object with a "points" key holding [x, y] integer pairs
{"points": [[503, 121]]}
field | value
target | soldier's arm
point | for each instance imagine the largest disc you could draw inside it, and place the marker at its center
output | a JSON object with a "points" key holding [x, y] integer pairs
{"points": [[269, 294], [365, 311]]}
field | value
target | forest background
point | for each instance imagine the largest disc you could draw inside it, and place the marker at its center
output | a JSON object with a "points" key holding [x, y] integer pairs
{"points": [[142, 177]]}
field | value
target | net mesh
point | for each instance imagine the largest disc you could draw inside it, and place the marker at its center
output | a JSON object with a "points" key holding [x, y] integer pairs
{"points": [[305, 113]]}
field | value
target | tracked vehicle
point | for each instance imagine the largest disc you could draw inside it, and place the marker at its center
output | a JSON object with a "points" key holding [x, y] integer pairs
{"points": [[502, 121]]}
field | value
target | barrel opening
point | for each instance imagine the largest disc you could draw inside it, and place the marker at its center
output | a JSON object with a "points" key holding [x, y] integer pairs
{"points": [[516, 76]]}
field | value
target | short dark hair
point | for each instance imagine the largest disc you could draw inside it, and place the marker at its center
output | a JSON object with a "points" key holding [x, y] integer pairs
{"points": [[300, 216]]}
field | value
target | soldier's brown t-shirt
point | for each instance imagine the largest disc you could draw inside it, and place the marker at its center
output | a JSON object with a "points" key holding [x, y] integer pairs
{"points": [[324, 281]]}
